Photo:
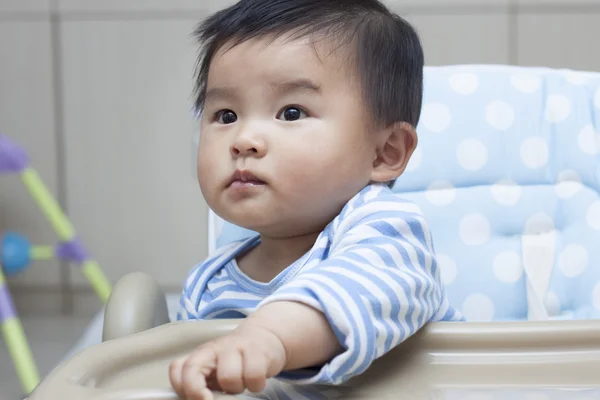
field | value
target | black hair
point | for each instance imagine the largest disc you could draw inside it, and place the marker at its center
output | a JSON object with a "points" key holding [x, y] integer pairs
{"points": [[388, 54]]}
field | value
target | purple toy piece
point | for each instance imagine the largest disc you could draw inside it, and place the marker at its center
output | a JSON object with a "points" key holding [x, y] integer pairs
{"points": [[13, 158], [72, 251], [7, 308]]}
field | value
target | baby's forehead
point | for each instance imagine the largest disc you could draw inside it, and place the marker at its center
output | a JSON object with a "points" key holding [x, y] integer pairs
{"points": [[316, 55]]}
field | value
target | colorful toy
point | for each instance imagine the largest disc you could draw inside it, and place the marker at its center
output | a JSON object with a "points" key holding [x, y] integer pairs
{"points": [[16, 253]]}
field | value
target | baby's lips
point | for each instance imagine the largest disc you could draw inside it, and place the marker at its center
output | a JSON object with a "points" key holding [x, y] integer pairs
{"points": [[246, 176]]}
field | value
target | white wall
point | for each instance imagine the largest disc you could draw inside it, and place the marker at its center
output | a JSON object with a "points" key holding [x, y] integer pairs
{"points": [[100, 92]]}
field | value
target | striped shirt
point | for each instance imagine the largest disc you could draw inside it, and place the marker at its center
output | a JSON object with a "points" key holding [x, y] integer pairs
{"points": [[372, 272]]}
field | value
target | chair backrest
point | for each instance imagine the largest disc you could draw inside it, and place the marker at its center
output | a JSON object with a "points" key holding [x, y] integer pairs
{"points": [[507, 173]]}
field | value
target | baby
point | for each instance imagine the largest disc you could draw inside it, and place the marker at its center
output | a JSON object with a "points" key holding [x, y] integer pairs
{"points": [[309, 110]]}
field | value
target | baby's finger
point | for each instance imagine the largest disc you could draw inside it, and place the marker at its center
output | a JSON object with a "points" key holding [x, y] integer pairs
{"points": [[198, 366], [255, 370], [194, 384], [229, 371], [204, 356], [175, 370]]}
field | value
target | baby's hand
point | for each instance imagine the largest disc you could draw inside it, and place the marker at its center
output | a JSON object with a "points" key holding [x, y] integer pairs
{"points": [[241, 360]]}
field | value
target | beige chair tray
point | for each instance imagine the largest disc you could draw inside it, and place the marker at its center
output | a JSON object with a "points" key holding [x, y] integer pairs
{"points": [[444, 360]]}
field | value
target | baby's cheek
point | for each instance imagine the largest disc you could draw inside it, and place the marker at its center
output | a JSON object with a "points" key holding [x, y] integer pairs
{"points": [[204, 167], [302, 173], [207, 178], [210, 154]]}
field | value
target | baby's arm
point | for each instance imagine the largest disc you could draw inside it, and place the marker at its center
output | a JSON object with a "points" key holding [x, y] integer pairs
{"points": [[280, 336], [304, 332], [379, 285]]}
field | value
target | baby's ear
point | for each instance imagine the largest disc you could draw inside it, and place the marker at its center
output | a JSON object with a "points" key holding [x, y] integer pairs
{"points": [[395, 146]]}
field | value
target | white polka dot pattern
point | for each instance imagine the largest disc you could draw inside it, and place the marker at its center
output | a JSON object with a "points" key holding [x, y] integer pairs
{"points": [[568, 184], [472, 154], [552, 304], [588, 140], [538, 224], [505, 152], [436, 117], [596, 296], [508, 267], [500, 115], [464, 83], [593, 215], [441, 193], [415, 160], [534, 152], [558, 108], [573, 260], [448, 268], [577, 78], [506, 192], [474, 229], [478, 307], [526, 83]]}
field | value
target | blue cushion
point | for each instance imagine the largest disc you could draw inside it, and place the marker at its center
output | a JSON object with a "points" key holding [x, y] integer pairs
{"points": [[507, 157]]}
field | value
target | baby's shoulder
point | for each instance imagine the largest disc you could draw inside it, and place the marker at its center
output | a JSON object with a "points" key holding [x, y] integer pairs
{"points": [[377, 201]]}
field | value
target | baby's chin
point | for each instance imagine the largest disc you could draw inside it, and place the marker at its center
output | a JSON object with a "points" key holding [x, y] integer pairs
{"points": [[267, 226], [254, 221], [269, 220]]}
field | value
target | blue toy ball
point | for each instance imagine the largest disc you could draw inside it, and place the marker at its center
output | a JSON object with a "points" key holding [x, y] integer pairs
{"points": [[15, 253]]}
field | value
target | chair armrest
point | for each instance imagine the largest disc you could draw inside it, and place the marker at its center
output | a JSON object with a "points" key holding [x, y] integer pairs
{"points": [[137, 303]]}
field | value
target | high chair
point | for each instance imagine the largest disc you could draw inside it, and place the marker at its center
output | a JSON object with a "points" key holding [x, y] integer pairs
{"points": [[507, 174]]}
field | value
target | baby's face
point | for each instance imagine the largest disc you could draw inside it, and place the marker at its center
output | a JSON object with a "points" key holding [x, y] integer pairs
{"points": [[284, 140]]}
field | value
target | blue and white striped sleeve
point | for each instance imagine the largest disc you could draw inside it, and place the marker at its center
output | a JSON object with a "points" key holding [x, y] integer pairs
{"points": [[187, 309], [196, 281], [379, 285]]}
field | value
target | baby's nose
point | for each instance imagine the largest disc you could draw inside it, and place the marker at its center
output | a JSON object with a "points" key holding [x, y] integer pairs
{"points": [[245, 146]]}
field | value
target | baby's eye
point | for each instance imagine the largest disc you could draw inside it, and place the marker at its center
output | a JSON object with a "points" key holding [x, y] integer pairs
{"points": [[291, 114], [226, 117]]}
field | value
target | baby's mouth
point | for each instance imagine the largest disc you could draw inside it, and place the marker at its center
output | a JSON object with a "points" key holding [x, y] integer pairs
{"points": [[245, 179]]}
